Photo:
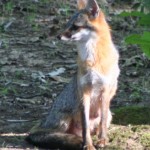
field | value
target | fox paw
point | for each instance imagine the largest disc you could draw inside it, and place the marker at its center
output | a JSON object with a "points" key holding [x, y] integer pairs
{"points": [[89, 147], [101, 143]]}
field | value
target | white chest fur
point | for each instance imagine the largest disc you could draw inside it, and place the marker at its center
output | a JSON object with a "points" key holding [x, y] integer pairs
{"points": [[86, 50]]}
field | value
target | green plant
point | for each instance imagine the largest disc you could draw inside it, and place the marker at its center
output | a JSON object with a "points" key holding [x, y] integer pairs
{"points": [[19, 74], [3, 91], [8, 7], [134, 115], [31, 17], [31, 13], [45, 1], [35, 27], [142, 39], [66, 8], [142, 5]]}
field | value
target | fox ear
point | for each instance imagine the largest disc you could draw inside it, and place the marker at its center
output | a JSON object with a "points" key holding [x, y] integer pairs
{"points": [[93, 9], [90, 6], [81, 4]]}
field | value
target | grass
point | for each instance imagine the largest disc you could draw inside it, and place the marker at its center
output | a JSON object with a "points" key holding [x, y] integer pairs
{"points": [[132, 115], [130, 128]]}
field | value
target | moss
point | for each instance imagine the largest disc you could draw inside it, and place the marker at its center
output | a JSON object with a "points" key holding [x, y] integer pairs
{"points": [[131, 129], [132, 115], [143, 132], [129, 137], [145, 140], [140, 128], [119, 135]]}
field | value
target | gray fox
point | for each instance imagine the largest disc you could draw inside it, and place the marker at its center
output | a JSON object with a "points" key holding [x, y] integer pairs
{"points": [[83, 107]]}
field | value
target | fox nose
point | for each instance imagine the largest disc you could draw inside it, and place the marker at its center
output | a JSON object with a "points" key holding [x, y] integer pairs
{"points": [[59, 37]]}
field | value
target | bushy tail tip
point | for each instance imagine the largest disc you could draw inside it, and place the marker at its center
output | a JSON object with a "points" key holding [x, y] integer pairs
{"points": [[55, 140]]}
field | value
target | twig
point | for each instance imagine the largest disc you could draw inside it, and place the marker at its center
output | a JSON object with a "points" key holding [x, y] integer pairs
{"points": [[16, 121]]}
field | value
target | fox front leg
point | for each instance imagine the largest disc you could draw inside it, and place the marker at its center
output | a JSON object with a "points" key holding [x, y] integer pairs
{"points": [[85, 113], [105, 119]]}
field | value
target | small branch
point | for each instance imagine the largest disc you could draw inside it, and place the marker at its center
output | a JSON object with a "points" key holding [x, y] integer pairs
{"points": [[16, 121]]}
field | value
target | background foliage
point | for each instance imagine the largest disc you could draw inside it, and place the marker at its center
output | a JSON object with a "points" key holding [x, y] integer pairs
{"points": [[143, 38]]}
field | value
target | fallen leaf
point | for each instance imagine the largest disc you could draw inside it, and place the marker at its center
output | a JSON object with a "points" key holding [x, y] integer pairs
{"points": [[57, 72]]}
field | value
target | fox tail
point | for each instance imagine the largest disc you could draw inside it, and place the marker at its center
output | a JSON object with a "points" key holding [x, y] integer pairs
{"points": [[55, 140]]}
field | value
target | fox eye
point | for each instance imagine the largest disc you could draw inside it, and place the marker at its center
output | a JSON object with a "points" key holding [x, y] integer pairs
{"points": [[74, 27]]}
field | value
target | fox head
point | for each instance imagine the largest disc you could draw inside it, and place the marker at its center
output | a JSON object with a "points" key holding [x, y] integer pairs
{"points": [[83, 24]]}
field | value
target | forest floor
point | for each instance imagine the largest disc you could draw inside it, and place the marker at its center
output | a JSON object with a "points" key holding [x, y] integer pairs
{"points": [[35, 67]]}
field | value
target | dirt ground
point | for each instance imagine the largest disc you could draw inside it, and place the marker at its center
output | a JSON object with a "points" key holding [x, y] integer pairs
{"points": [[35, 66]]}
